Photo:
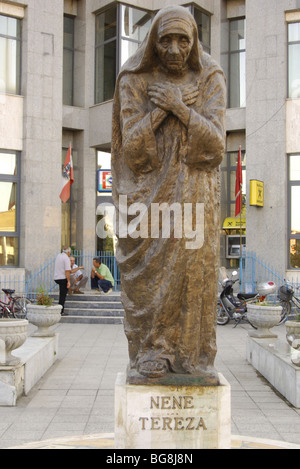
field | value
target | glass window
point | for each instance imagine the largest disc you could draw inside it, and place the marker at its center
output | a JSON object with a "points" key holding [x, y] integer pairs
{"points": [[103, 160], [134, 23], [228, 180], [8, 204], [9, 208], [294, 214], [128, 48], [203, 23], [8, 163], [293, 60], [69, 32], [294, 71], [295, 168], [134, 27], [237, 40], [106, 71], [106, 26], [106, 55], [294, 254], [9, 251], [237, 63], [68, 74], [115, 45], [105, 208], [10, 55], [10, 27], [294, 32], [66, 224], [104, 178]]}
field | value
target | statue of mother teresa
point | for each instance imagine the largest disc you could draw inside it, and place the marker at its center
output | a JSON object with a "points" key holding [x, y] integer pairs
{"points": [[168, 143]]}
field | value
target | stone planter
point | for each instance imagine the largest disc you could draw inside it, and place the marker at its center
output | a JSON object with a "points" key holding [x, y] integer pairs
{"points": [[43, 317], [263, 318], [13, 334], [293, 338]]}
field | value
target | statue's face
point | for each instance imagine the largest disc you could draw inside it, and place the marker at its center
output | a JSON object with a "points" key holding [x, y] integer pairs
{"points": [[174, 44]]}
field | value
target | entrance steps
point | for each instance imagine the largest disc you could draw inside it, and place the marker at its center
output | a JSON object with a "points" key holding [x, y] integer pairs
{"points": [[93, 308]]}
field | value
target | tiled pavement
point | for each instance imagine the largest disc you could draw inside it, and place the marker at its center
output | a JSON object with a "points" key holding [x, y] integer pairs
{"points": [[73, 404]]}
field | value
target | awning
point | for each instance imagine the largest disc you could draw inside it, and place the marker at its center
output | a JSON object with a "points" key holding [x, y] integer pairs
{"points": [[232, 223]]}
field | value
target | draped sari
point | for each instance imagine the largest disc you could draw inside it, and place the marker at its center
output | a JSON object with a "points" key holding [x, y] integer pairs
{"points": [[169, 292]]}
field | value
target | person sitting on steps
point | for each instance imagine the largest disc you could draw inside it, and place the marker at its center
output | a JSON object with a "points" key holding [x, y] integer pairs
{"points": [[101, 277], [77, 279]]}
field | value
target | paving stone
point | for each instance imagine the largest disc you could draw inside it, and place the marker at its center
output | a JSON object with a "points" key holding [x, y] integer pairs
{"points": [[73, 404]]}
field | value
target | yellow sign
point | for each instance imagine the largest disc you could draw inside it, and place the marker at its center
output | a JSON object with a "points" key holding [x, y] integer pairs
{"points": [[234, 223], [256, 193]]}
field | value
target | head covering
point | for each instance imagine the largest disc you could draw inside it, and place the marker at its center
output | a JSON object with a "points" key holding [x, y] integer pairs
{"points": [[146, 58], [175, 26]]}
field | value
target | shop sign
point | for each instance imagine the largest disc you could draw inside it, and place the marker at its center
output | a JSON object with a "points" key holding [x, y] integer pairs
{"points": [[104, 180], [234, 223], [256, 193]]}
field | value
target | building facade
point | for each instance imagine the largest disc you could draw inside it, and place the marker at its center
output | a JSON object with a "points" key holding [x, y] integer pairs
{"points": [[58, 65]]}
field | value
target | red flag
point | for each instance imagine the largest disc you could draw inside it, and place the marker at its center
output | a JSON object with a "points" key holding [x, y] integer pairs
{"points": [[67, 177], [238, 185]]}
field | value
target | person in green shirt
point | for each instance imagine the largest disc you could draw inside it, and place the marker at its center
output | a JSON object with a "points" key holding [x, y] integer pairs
{"points": [[101, 277]]}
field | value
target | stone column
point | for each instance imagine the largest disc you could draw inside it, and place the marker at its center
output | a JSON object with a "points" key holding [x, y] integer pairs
{"points": [[41, 156]]}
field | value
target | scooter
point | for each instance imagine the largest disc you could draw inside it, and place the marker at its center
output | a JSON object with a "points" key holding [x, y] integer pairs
{"points": [[231, 307]]}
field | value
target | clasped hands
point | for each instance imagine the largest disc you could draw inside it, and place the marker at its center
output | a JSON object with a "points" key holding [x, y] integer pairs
{"points": [[171, 98]]}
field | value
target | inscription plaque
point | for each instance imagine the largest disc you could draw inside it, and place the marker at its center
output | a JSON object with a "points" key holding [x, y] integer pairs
{"points": [[170, 417]]}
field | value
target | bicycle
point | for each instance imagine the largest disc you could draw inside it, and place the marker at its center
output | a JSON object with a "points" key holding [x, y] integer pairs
{"points": [[286, 298], [15, 308]]}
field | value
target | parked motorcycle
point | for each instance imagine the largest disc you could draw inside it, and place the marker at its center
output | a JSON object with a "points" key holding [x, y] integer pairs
{"points": [[286, 298], [234, 307]]}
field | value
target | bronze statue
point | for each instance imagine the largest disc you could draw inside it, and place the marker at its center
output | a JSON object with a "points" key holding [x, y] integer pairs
{"points": [[168, 143]]}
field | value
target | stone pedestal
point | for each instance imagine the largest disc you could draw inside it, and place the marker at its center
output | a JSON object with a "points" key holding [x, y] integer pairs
{"points": [[35, 357], [274, 360], [171, 417]]}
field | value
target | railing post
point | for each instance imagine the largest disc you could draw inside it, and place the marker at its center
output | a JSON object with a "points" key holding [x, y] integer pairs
{"points": [[241, 271], [115, 273]]}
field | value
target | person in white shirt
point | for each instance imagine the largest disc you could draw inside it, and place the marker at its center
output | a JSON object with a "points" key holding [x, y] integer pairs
{"points": [[62, 272], [77, 279]]}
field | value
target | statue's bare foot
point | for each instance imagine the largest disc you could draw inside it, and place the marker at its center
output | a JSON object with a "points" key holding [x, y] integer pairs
{"points": [[153, 369]]}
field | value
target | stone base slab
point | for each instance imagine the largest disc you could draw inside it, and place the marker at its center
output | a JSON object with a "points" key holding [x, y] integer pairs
{"points": [[273, 359], [37, 356], [172, 417]]}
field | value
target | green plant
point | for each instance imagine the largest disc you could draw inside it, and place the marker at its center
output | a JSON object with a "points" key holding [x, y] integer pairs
{"points": [[43, 298], [265, 302]]}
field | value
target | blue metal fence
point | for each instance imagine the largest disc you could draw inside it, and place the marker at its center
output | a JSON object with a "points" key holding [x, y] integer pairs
{"points": [[85, 258], [253, 270], [43, 276]]}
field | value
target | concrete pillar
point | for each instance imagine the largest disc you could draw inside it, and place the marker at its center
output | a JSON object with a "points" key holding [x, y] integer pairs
{"points": [[42, 144]]}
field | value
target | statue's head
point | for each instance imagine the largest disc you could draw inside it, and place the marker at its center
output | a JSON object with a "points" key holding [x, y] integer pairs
{"points": [[174, 42]]}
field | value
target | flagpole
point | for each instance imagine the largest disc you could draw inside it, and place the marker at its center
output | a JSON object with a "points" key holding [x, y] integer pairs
{"points": [[239, 194], [70, 227], [241, 241], [241, 204]]}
